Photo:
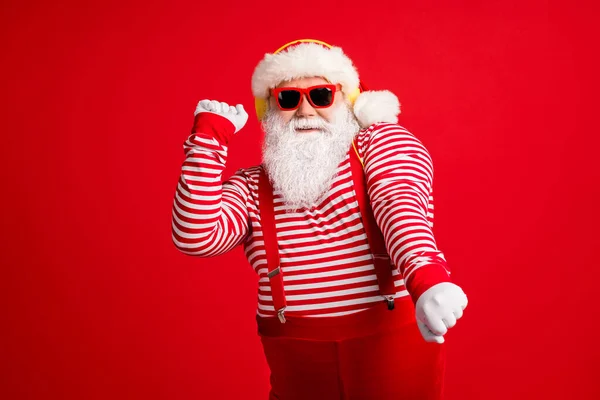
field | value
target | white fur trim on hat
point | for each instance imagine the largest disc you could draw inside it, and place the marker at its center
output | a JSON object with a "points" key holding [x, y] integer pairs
{"points": [[302, 61], [376, 106]]}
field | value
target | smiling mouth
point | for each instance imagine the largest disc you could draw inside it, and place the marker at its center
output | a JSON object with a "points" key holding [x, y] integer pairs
{"points": [[306, 129]]}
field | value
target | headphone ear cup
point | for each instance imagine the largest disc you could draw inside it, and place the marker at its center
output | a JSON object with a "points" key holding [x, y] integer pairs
{"points": [[353, 95], [261, 108]]}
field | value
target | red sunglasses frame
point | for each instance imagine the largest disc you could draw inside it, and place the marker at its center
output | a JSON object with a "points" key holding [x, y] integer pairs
{"points": [[305, 92]]}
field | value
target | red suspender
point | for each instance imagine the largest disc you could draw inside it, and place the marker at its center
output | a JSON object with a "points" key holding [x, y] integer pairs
{"points": [[381, 259], [267, 217]]}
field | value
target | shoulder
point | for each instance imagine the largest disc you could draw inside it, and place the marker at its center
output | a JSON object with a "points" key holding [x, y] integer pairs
{"points": [[388, 136], [385, 131]]}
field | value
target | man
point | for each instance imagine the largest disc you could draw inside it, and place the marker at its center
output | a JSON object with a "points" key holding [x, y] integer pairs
{"points": [[354, 295]]}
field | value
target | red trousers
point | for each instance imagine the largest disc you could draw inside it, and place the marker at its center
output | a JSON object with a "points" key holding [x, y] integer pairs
{"points": [[374, 354]]}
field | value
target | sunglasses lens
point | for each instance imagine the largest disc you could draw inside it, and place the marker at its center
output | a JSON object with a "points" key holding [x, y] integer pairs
{"points": [[321, 97], [288, 99]]}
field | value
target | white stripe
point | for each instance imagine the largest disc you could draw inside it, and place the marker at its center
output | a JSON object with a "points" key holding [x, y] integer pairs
{"points": [[321, 306], [345, 271], [322, 246], [323, 237], [290, 259], [323, 295], [306, 286], [326, 264], [332, 226]]}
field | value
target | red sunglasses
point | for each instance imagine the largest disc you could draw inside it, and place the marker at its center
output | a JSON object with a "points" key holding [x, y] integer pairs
{"points": [[319, 96]]}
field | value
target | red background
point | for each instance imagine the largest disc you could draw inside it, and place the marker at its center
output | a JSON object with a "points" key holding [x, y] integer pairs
{"points": [[99, 97]]}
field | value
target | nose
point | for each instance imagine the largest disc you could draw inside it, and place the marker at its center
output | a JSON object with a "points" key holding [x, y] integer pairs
{"points": [[305, 109]]}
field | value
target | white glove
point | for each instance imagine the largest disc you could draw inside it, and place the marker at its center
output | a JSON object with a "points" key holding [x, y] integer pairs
{"points": [[237, 115], [437, 310]]}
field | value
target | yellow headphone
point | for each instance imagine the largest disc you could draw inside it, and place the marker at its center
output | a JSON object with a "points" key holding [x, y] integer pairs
{"points": [[261, 104]]}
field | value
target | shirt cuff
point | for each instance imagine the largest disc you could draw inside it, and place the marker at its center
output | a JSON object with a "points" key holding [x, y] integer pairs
{"points": [[215, 126], [425, 277]]}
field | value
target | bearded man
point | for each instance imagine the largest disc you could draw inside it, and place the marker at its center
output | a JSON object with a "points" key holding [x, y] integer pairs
{"points": [[354, 297]]}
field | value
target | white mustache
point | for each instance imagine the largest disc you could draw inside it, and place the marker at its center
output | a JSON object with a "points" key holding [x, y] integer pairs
{"points": [[309, 123]]}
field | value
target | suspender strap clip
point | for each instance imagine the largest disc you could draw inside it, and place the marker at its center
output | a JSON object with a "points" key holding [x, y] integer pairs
{"points": [[273, 273], [281, 315], [390, 302]]}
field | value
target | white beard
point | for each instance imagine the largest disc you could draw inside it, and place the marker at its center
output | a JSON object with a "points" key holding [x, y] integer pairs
{"points": [[302, 166]]}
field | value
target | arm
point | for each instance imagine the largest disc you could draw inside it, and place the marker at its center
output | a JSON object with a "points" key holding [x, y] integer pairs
{"points": [[399, 174], [210, 217]]}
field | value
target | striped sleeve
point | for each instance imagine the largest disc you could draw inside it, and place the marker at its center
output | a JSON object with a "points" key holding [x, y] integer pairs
{"points": [[399, 174], [209, 217]]}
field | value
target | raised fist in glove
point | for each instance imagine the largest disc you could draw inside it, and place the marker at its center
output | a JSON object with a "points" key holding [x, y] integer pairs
{"points": [[237, 115], [437, 310]]}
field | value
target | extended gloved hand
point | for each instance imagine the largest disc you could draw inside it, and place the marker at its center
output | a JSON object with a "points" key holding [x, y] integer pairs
{"points": [[237, 115], [437, 310]]}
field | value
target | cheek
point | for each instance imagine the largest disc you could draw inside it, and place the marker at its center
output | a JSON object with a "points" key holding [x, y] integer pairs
{"points": [[286, 115], [326, 114], [329, 113]]}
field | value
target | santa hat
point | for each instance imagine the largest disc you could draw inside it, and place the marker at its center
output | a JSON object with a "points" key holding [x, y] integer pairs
{"points": [[307, 58]]}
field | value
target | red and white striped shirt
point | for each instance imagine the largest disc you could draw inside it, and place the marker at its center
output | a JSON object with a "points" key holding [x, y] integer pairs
{"points": [[325, 260]]}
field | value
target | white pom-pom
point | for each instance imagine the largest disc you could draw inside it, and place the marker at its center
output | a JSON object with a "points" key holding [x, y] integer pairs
{"points": [[376, 106]]}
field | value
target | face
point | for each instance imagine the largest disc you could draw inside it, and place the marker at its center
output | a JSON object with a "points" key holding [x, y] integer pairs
{"points": [[306, 110], [304, 148]]}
